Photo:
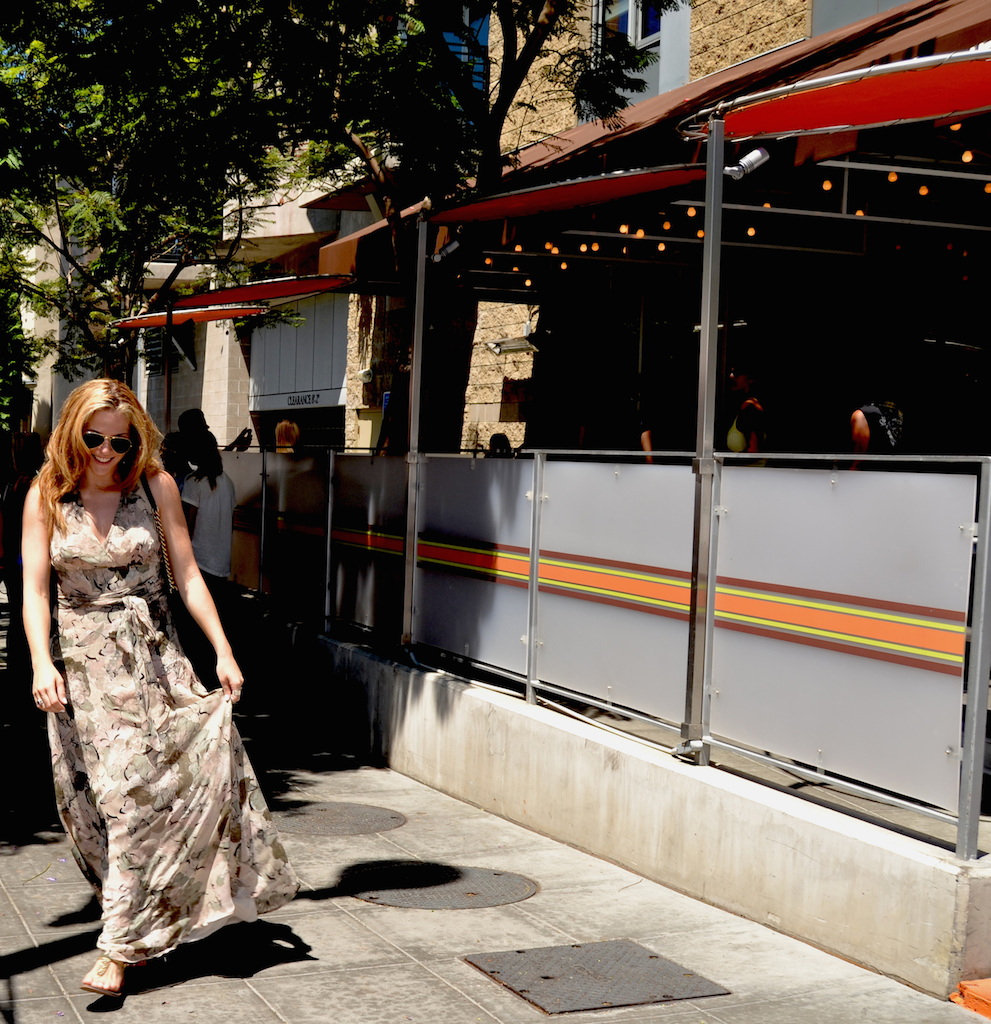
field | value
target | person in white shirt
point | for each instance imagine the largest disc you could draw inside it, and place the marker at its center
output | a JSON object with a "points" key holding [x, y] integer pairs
{"points": [[208, 502]]}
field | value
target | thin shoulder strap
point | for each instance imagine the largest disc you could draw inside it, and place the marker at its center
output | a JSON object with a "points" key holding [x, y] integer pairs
{"points": [[147, 491]]}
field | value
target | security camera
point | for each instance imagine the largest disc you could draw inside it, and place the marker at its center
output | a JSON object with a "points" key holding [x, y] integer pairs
{"points": [[365, 375]]}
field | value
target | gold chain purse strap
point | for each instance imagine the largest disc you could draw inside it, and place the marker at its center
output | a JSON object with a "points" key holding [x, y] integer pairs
{"points": [[165, 560]]}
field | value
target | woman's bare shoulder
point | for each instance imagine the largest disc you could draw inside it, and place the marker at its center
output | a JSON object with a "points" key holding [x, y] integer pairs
{"points": [[163, 486]]}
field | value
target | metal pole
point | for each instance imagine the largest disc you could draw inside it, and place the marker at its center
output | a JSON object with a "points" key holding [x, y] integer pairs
{"points": [[264, 524], [978, 672], [693, 728], [413, 456], [329, 589], [533, 590]]}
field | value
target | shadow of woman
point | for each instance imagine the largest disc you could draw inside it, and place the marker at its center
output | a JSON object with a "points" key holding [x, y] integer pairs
{"points": [[237, 951]]}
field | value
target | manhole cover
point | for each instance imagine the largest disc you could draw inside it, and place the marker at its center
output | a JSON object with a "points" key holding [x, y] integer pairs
{"points": [[426, 886], [338, 819], [593, 976]]}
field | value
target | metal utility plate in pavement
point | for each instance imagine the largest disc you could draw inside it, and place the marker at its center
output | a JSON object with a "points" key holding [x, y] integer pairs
{"points": [[427, 886], [338, 819], [593, 976]]}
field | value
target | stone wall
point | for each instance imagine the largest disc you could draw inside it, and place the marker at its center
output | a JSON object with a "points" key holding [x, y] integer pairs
{"points": [[375, 323], [495, 400], [542, 107], [725, 32]]}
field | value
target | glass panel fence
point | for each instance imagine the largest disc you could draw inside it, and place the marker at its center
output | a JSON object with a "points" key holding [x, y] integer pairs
{"points": [[473, 529], [368, 542], [841, 613]]}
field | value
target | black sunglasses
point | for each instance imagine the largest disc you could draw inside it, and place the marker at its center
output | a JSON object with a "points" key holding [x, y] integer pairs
{"points": [[121, 445]]}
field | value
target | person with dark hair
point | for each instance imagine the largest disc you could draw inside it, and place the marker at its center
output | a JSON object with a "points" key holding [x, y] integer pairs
{"points": [[173, 457], [152, 784], [208, 503], [26, 457]]}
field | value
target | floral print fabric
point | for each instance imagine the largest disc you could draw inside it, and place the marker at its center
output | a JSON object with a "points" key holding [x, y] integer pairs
{"points": [[151, 780]]}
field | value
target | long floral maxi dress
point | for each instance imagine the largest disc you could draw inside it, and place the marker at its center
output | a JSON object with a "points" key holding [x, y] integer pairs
{"points": [[151, 779]]}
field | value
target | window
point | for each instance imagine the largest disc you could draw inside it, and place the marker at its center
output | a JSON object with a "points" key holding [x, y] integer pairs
{"points": [[631, 18], [666, 35]]}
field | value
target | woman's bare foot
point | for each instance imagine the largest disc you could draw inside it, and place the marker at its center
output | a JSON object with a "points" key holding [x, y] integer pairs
{"points": [[106, 978]]}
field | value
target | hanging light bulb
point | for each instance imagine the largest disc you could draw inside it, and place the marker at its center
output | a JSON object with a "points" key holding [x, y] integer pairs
{"points": [[968, 155], [827, 185], [624, 229], [700, 233], [661, 247], [640, 232], [595, 247], [583, 247], [751, 232], [892, 176], [923, 190], [666, 225]]}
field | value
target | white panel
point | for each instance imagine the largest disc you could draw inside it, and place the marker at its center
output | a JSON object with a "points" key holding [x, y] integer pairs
{"points": [[475, 618], [481, 499], [479, 502], [308, 362], [889, 544], [303, 375], [625, 657], [636, 521], [886, 725]]}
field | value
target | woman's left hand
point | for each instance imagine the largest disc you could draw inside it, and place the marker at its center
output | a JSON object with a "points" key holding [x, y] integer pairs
{"points": [[230, 677]]}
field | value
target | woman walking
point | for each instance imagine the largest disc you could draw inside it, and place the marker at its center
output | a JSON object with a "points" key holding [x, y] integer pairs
{"points": [[151, 780]]}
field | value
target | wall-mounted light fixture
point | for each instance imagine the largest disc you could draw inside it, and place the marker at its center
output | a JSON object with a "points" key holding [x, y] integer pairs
{"points": [[750, 162]]}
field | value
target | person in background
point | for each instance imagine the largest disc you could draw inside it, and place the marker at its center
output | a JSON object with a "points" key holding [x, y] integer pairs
{"points": [[747, 431], [26, 457], [286, 437], [208, 503]]}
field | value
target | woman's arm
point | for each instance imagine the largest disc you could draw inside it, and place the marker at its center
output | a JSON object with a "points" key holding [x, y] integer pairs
{"points": [[189, 582], [48, 686]]}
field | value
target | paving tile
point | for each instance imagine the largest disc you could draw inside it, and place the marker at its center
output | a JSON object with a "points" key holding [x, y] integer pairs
{"points": [[407, 994], [323, 861], [57, 1010], [333, 942], [10, 919], [223, 1003], [429, 934], [882, 1003], [57, 908], [34, 863], [24, 970]]}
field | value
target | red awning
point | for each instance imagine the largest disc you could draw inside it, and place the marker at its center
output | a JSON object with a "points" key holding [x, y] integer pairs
{"points": [[284, 288], [566, 195], [341, 256], [182, 316], [930, 88]]}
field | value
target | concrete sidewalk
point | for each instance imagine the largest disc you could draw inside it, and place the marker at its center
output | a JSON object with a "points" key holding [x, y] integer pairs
{"points": [[332, 957]]}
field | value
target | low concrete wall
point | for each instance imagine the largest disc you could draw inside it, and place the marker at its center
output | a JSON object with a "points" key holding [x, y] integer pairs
{"points": [[902, 907]]}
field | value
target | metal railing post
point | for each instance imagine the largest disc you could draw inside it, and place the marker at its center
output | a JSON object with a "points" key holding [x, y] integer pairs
{"points": [[701, 600], [264, 524], [533, 589], [413, 456], [978, 672], [329, 589]]}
